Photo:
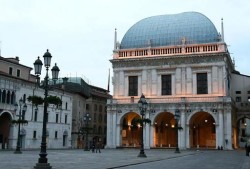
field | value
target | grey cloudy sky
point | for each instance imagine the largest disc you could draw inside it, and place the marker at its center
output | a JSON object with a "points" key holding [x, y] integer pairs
{"points": [[80, 34]]}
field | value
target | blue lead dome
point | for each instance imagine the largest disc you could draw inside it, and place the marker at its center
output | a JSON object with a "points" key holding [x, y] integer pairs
{"points": [[167, 30]]}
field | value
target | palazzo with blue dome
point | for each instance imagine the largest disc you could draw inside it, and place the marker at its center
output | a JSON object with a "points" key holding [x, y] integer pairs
{"points": [[181, 64]]}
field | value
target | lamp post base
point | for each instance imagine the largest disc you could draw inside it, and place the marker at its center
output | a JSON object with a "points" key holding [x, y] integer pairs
{"points": [[142, 154], [177, 150], [42, 166], [17, 152]]}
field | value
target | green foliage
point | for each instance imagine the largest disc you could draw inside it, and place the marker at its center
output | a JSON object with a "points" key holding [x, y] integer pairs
{"points": [[140, 121], [54, 100], [37, 100], [20, 121]]}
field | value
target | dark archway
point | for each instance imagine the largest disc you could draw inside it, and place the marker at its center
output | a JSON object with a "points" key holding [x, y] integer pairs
{"points": [[202, 130], [5, 122], [243, 132], [164, 131]]}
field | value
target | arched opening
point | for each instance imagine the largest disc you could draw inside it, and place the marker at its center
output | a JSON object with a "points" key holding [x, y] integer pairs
{"points": [[65, 139], [130, 130], [164, 131], [5, 122], [202, 130], [243, 133]]}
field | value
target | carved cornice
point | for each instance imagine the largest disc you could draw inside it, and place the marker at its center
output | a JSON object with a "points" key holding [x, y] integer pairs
{"points": [[169, 60]]}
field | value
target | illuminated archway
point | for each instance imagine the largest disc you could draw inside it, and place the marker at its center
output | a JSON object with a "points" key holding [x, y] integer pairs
{"points": [[202, 130], [130, 130], [164, 131]]}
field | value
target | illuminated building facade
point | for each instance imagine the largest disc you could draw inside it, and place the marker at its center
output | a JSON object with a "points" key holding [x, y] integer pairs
{"points": [[180, 63]]}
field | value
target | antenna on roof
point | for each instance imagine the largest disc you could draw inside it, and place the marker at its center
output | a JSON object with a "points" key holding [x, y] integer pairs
{"points": [[115, 40], [222, 30]]}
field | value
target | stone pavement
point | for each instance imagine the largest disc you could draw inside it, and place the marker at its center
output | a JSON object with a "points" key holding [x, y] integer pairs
{"points": [[127, 158]]}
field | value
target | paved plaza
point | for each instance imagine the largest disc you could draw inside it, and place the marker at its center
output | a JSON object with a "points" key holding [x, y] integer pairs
{"points": [[127, 158]]}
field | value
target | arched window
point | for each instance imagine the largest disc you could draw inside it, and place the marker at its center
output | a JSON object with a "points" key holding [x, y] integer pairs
{"points": [[4, 96], [100, 108], [24, 98], [94, 129], [8, 97], [95, 117], [99, 130], [100, 118], [13, 98]]}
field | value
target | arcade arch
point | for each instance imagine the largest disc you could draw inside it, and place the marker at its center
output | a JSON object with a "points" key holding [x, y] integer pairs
{"points": [[130, 130], [164, 130], [202, 130], [5, 123]]}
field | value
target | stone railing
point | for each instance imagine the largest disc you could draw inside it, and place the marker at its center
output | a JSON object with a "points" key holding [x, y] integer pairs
{"points": [[170, 50]]}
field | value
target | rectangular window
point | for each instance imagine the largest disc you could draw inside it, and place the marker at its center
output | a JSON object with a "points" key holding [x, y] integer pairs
{"points": [[18, 73], [35, 115], [10, 70], [57, 115], [66, 119], [202, 83], [133, 86], [248, 92], [238, 92], [87, 107], [55, 134], [166, 87], [243, 134], [34, 134], [238, 99]]}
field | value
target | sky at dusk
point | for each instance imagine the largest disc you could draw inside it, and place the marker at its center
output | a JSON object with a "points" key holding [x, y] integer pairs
{"points": [[80, 34]]}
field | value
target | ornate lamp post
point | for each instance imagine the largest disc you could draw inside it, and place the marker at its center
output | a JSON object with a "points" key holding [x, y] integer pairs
{"points": [[43, 161], [177, 118], [22, 109], [86, 119], [142, 103]]}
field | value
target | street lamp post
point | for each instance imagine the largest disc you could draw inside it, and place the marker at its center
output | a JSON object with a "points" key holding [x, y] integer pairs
{"points": [[86, 119], [43, 161], [22, 109], [142, 103], [177, 118]]}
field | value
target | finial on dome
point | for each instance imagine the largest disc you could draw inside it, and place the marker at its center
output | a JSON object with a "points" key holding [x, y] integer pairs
{"points": [[222, 30]]}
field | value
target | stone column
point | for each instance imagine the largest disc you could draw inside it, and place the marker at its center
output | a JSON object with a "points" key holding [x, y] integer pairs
{"points": [[146, 133], [182, 133], [109, 130], [220, 129], [228, 127]]}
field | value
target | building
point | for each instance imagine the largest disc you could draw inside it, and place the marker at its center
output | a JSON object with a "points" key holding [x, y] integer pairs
{"points": [[182, 65], [86, 99], [16, 82], [97, 107]]}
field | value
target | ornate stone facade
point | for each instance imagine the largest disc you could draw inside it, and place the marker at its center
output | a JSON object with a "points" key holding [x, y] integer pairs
{"points": [[205, 119]]}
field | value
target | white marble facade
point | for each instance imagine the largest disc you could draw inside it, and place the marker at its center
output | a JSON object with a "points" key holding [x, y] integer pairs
{"points": [[59, 120]]}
